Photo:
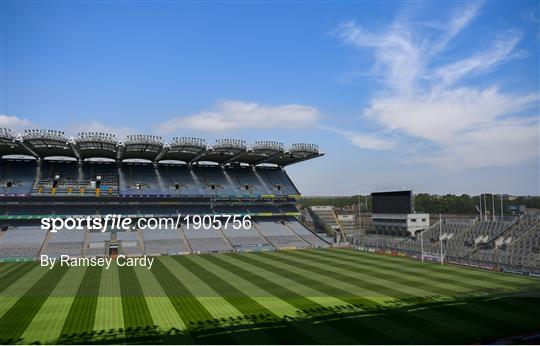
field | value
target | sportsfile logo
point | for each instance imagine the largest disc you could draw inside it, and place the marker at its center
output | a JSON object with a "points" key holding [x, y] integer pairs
{"points": [[114, 221]]}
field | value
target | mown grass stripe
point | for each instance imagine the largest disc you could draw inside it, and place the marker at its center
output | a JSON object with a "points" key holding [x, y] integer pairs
{"points": [[284, 281], [412, 280], [163, 312], [441, 277], [136, 313], [6, 268], [11, 294], [295, 259], [408, 282], [16, 320], [242, 302], [302, 279], [223, 312], [474, 276], [14, 275], [434, 278], [432, 329], [272, 303], [47, 324], [323, 333], [468, 316], [368, 331], [481, 316], [109, 321], [462, 272], [281, 292], [138, 323], [81, 317], [186, 304]]}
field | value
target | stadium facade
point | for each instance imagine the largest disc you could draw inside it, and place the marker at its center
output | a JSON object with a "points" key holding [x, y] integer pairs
{"points": [[45, 174]]}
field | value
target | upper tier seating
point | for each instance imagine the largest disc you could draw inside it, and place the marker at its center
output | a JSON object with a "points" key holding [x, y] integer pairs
{"points": [[68, 178], [17, 177]]}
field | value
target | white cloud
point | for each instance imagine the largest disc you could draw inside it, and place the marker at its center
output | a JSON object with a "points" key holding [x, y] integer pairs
{"points": [[398, 57], [364, 140], [501, 145], [501, 50], [441, 116], [459, 20], [471, 126], [232, 115], [16, 124]]}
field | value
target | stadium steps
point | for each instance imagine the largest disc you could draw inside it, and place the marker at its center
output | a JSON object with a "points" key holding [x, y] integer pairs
{"points": [[299, 236], [254, 224], [515, 223], [226, 239], [492, 237], [43, 248], [321, 224], [141, 240], [182, 236], [291, 182], [263, 183], [86, 242]]}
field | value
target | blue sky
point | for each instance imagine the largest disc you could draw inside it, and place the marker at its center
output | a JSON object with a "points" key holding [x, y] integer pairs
{"points": [[437, 97]]}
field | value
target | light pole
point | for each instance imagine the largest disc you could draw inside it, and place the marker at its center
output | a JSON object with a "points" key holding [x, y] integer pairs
{"points": [[480, 210], [485, 208], [422, 245], [359, 215], [440, 237], [502, 209], [493, 205]]}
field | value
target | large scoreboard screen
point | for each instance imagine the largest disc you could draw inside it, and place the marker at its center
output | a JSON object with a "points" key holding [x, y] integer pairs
{"points": [[394, 202]]}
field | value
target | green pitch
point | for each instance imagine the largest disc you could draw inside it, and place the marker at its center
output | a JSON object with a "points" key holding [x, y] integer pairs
{"points": [[305, 296]]}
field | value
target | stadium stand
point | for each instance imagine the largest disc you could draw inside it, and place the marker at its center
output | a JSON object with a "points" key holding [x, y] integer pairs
{"points": [[517, 246], [488, 244], [22, 242], [308, 236], [206, 241], [64, 242], [157, 242], [97, 244], [279, 234], [141, 175], [129, 243], [347, 223], [17, 177], [246, 239]]}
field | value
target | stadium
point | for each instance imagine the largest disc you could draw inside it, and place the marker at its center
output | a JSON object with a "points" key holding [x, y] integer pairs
{"points": [[291, 275]]}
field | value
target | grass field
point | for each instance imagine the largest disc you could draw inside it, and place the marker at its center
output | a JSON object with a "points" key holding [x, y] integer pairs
{"points": [[305, 296]]}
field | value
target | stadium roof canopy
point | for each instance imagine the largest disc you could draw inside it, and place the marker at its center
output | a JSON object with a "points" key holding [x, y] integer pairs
{"points": [[8, 145], [86, 145], [96, 144]]}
